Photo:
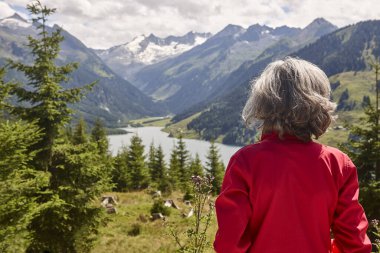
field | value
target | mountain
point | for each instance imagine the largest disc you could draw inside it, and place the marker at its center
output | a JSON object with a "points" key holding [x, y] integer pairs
{"points": [[15, 21], [195, 75], [344, 50], [129, 58], [113, 98]]}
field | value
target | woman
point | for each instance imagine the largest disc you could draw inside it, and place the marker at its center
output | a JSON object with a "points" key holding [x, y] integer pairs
{"points": [[286, 193]]}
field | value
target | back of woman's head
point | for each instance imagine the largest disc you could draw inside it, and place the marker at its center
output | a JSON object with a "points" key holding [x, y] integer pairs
{"points": [[291, 96]]}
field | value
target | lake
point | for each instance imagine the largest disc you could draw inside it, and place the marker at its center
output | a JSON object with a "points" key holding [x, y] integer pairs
{"points": [[155, 135]]}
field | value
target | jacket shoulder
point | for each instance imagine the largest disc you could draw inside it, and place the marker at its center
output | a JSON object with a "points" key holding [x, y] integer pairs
{"points": [[334, 152]]}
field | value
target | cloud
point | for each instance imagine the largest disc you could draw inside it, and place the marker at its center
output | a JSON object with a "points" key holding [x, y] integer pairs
{"points": [[105, 23], [5, 10]]}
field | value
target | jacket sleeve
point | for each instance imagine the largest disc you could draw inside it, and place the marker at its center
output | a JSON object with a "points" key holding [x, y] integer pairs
{"points": [[233, 210], [350, 223]]}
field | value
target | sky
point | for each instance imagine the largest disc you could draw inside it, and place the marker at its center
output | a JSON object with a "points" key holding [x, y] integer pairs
{"points": [[106, 23]]}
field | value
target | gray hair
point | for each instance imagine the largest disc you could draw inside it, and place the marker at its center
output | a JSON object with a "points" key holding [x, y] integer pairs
{"points": [[291, 96]]}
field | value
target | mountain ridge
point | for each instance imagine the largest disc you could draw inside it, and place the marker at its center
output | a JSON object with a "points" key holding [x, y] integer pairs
{"points": [[113, 99], [206, 67], [128, 58]]}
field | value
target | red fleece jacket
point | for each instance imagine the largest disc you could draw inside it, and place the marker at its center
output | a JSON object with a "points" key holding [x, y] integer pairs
{"points": [[285, 196]]}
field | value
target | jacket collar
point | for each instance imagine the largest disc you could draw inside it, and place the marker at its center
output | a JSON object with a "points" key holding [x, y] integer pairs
{"points": [[275, 136]]}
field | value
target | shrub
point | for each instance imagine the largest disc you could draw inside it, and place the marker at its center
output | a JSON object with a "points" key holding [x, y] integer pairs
{"points": [[158, 207], [135, 230]]}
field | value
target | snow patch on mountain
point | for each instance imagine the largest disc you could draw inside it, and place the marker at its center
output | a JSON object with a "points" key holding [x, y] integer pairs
{"points": [[134, 45], [154, 53], [128, 58]]}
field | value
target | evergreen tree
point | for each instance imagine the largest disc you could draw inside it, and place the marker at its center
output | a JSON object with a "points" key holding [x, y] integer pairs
{"points": [[174, 168], [80, 132], [99, 136], [4, 91], [364, 143], [161, 172], [67, 133], [121, 177], [196, 167], [152, 161], [136, 164], [65, 219], [18, 179], [215, 168], [19, 182], [70, 220], [363, 146], [183, 163], [47, 99]]}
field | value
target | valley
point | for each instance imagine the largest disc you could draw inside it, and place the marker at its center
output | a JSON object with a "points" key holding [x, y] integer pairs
{"points": [[117, 134], [201, 79]]}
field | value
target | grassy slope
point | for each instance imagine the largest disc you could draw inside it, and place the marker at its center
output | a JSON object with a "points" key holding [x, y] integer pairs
{"points": [[152, 121], [172, 128], [154, 236], [181, 127], [358, 84]]}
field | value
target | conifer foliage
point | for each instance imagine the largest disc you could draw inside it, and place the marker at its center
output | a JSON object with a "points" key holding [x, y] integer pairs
{"points": [[183, 164], [363, 146], [48, 99], [99, 136], [196, 167], [174, 168], [215, 168], [158, 169], [80, 135], [139, 173], [162, 175], [121, 176], [19, 183], [53, 179]]}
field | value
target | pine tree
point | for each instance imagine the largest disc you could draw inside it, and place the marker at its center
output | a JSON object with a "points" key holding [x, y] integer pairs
{"points": [[19, 181], [65, 219], [48, 100], [136, 164], [364, 143], [70, 222], [4, 91], [152, 161], [80, 132], [67, 133], [215, 168], [121, 177], [196, 167], [99, 136], [183, 160], [174, 168], [363, 146], [161, 171]]}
